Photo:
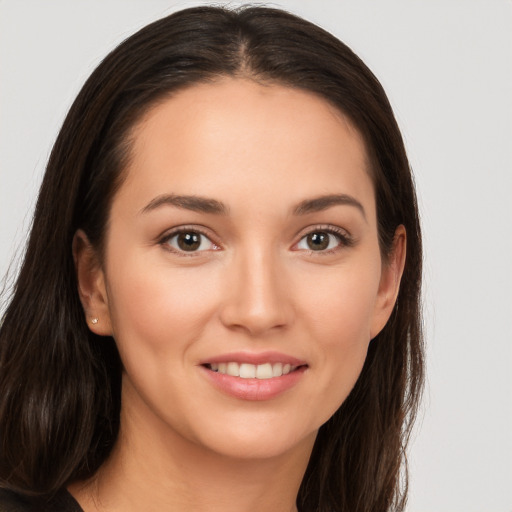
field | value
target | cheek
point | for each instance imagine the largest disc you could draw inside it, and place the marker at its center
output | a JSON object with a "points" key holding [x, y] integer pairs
{"points": [[340, 310], [158, 312], [155, 305], [341, 303]]}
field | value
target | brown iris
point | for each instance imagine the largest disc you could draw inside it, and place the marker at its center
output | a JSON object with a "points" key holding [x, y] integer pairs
{"points": [[318, 241], [189, 241]]}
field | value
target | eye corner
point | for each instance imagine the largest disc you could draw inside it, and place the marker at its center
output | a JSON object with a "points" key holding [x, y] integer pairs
{"points": [[194, 241], [323, 240]]}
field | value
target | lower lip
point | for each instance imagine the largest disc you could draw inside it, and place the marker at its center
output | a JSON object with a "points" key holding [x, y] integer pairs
{"points": [[254, 389]]}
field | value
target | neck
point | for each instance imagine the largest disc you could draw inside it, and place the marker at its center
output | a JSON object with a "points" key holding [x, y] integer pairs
{"points": [[157, 469]]}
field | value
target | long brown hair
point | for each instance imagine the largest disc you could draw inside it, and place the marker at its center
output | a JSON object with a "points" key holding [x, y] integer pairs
{"points": [[60, 384]]}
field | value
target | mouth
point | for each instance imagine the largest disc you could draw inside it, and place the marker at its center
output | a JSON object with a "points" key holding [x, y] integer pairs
{"points": [[253, 371], [258, 377]]}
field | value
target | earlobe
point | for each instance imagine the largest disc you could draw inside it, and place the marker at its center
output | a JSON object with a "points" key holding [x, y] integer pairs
{"points": [[91, 285], [389, 285]]}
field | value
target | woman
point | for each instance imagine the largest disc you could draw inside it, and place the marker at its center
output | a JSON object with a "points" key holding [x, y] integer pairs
{"points": [[219, 302]]}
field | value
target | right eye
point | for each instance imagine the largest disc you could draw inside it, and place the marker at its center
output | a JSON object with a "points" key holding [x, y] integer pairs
{"points": [[320, 241], [189, 241]]}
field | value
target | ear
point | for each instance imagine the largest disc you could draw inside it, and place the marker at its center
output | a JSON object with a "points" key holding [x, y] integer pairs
{"points": [[91, 285], [389, 285]]}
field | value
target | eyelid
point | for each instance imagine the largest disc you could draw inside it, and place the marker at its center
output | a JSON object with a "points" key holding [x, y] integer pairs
{"points": [[346, 239], [167, 235]]}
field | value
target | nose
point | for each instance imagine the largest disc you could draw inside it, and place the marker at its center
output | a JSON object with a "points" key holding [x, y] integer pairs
{"points": [[257, 298]]}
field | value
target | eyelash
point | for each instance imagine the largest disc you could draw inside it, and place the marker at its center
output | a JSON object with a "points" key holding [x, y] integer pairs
{"points": [[164, 241], [344, 238]]}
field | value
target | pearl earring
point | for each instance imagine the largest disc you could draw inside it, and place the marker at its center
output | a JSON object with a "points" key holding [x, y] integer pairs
{"points": [[94, 321]]}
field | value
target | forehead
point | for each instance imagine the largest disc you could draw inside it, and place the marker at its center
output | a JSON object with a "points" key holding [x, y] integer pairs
{"points": [[236, 137]]}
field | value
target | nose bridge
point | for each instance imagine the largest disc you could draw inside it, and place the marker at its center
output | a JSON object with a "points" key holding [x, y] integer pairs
{"points": [[257, 299]]}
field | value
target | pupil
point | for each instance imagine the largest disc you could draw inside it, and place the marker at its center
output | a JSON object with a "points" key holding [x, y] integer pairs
{"points": [[318, 241], [189, 241]]}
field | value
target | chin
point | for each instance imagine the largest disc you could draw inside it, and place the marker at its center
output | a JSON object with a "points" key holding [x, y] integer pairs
{"points": [[261, 446], [255, 436]]}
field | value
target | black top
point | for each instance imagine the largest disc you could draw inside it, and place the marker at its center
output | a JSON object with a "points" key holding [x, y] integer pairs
{"points": [[62, 502]]}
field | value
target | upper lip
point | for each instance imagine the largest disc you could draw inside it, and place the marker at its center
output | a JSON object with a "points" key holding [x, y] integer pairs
{"points": [[254, 358]]}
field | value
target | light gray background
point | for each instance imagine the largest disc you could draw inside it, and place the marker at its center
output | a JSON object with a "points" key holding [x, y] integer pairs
{"points": [[447, 67]]}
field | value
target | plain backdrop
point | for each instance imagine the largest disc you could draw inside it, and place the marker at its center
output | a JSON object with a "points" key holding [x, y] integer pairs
{"points": [[447, 68]]}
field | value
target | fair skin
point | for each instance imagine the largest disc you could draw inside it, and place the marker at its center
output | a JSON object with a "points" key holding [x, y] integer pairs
{"points": [[245, 233]]}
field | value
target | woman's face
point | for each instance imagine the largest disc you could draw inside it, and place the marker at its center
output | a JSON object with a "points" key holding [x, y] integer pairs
{"points": [[242, 278]]}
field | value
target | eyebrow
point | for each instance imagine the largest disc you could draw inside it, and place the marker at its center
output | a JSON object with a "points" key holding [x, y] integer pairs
{"points": [[193, 203], [212, 206], [321, 203]]}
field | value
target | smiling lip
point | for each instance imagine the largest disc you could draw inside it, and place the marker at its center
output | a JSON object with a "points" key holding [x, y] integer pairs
{"points": [[254, 388], [253, 358]]}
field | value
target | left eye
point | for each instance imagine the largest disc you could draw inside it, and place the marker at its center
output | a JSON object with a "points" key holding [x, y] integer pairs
{"points": [[319, 241], [190, 241]]}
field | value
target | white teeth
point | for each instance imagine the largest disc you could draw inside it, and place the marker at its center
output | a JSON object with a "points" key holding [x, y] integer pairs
{"points": [[251, 371], [264, 371], [233, 369], [277, 370], [247, 371]]}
